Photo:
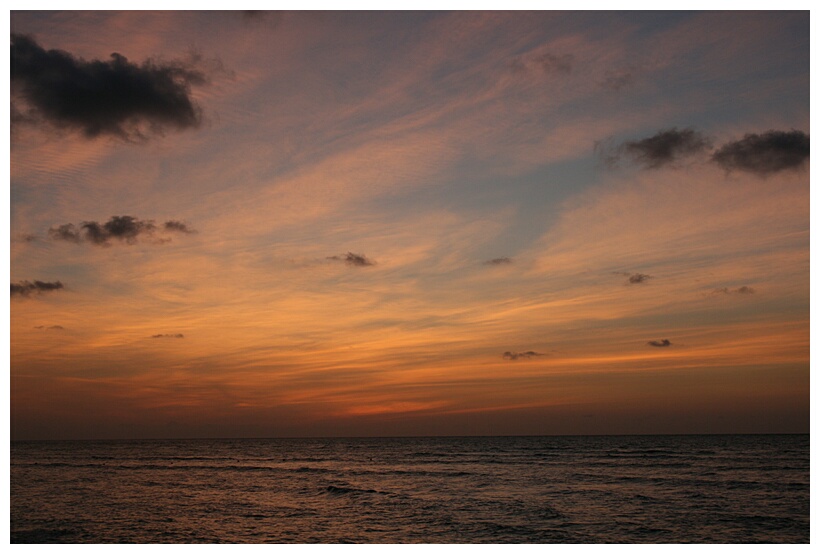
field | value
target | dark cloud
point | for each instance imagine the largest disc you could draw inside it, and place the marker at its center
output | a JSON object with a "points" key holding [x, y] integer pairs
{"points": [[637, 278], [67, 232], [114, 97], [499, 261], [659, 343], [123, 228], [178, 226], [356, 260], [765, 153], [168, 336], [634, 278], [740, 290], [762, 154], [516, 355], [26, 288], [666, 147], [50, 327]]}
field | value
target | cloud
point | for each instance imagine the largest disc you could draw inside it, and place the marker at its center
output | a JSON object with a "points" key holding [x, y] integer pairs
{"points": [[26, 288], [499, 261], [762, 154], [114, 97], [178, 226], [637, 278], [634, 278], [765, 153], [124, 228], [67, 232], [356, 260], [659, 343], [740, 290], [50, 327], [516, 355], [168, 336], [665, 147]]}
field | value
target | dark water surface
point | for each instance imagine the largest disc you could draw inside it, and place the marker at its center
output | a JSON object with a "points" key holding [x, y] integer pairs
{"points": [[638, 489]]}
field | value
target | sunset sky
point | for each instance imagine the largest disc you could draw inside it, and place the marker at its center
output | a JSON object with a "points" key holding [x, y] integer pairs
{"points": [[408, 223]]}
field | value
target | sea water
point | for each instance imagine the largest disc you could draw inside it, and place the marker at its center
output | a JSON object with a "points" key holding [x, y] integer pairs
{"points": [[603, 489]]}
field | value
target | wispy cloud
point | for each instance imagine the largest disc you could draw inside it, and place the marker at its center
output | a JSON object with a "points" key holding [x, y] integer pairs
{"points": [[114, 97], [660, 343], [27, 288], [394, 146], [123, 228], [765, 153], [50, 327]]}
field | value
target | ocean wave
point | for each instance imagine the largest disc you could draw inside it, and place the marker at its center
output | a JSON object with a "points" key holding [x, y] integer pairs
{"points": [[414, 491]]}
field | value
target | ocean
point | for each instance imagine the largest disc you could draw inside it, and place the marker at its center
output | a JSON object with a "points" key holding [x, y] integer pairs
{"points": [[562, 489]]}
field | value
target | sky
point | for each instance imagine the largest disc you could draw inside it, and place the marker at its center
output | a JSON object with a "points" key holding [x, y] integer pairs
{"points": [[292, 224]]}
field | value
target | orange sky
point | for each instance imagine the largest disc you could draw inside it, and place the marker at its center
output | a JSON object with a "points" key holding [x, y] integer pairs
{"points": [[409, 224]]}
